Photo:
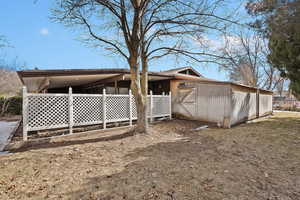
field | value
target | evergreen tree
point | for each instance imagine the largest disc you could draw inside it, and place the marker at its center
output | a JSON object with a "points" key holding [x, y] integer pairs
{"points": [[279, 21]]}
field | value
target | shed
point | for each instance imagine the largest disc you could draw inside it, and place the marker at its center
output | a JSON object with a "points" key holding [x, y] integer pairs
{"points": [[193, 95], [223, 103]]}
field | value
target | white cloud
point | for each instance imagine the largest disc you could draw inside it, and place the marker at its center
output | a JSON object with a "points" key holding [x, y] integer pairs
{"points": [[44, 31], [219, 42]]}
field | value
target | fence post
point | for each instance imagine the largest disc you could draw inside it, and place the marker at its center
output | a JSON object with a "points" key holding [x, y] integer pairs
{"points": [[130, 108], [151, 106], [170, 104], [71, 122], [104, 108], [25, 113]]}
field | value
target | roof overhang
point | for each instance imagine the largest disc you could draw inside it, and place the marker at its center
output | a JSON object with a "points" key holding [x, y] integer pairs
{"points": [[36, 80]]}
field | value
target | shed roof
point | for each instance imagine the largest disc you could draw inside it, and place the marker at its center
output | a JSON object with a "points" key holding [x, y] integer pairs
{"points": [[177, 73], [181, 69], [232, 84]]}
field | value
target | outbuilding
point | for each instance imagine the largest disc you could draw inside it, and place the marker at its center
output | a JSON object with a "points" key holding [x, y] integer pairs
{"points": [[223, 103], [193, 95]]}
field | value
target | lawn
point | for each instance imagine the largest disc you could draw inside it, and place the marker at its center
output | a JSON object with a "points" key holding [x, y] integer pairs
{"points": [[259, 160]]}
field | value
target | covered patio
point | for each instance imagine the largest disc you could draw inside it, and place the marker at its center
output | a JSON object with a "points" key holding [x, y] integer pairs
{"points": [[89, 81]]}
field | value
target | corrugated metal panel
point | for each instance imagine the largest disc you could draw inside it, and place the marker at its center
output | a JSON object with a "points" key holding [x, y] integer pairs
{"points": [[213, 102], [265, 104], [243, 106], [207, 102], [223, 104]]}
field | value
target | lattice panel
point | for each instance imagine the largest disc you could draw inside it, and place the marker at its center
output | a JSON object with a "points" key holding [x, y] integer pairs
{"points": [[161, 105], [117, 107], [87, 109], [47, 111]]}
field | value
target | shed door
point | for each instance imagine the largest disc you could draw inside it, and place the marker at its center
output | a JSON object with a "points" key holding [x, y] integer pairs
{"points": [[187, 101]]}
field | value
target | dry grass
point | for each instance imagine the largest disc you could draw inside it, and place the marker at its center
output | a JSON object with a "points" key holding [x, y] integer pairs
{"points": [[259, 160]]}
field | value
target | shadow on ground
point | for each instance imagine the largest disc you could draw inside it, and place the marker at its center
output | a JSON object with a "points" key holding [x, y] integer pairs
{"points": [[234, 163]]}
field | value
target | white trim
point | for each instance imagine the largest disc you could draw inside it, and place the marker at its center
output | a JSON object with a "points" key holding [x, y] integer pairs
{"points": [[48, 127], [71, 115], [25, 113], [47, 95], [87, 95], [88, 123], [130, 108], [104, 109]]}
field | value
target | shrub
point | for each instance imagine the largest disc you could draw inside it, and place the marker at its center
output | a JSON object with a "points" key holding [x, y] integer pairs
{"points": [[13, 105]]}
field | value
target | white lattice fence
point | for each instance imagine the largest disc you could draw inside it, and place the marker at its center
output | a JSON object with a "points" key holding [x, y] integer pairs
{"points": [[117, 108], [87, 109], [50, 111], [40, 115]]}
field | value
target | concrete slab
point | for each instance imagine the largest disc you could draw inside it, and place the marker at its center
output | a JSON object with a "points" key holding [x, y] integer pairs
{"points": [[6, 129]]}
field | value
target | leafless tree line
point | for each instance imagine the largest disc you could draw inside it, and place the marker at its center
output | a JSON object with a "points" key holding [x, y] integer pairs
{"points": [[247, 61]]}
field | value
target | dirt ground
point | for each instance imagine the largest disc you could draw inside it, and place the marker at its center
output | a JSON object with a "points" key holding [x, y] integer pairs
{"points": [[259, 160]]}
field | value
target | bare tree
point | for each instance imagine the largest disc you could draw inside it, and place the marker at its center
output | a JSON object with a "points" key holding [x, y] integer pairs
{"points": [[140, 31], [280, 87], [10, 84], [247, 61]]}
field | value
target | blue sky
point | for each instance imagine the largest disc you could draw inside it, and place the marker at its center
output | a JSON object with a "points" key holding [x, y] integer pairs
{"points": [[41, 43]]}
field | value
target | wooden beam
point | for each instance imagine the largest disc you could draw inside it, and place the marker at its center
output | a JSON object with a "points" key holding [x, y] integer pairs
{"points": [[116, 87], [44, 85], [106, 80]]}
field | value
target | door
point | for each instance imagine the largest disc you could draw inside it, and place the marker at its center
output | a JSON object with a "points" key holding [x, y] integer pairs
{"points": [[186, 101]]}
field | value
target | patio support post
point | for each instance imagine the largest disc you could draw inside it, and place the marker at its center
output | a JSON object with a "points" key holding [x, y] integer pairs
{"points": [[25, 113], [104, 108], [170, 104], [70, 111], [130, 108], [151, 106]]}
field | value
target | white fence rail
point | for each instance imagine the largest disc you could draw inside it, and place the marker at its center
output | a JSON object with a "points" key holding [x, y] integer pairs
{"points": [[51, 111]]}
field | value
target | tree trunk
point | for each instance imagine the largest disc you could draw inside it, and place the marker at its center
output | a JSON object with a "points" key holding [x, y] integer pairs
{"points": [[4, 106], [142, 121], [140, 95]]}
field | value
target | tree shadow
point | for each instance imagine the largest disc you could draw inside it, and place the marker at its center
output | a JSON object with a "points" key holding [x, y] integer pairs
{"points": [[197, 167], [145, 175]]}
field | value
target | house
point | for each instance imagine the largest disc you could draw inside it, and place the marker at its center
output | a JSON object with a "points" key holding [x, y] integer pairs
{"points": [[193, 95], [285, 100]]}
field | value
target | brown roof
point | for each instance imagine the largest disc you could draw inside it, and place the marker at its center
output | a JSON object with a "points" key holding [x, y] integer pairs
{"points": [[178, 70], [70, 72], [232, 83], [169, 74]]}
